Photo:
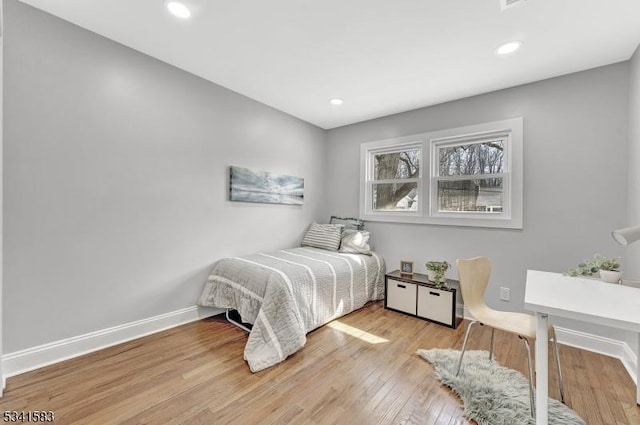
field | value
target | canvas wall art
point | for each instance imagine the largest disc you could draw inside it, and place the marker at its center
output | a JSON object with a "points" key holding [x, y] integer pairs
{"points": [[247, 185]]}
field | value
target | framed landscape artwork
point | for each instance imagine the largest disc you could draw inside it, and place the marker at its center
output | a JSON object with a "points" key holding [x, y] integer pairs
{"points": [[247, 185]]}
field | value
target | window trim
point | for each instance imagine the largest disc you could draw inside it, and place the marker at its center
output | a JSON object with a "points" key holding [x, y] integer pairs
{"points": [[370, 181], [435, 144], [513, 186]]}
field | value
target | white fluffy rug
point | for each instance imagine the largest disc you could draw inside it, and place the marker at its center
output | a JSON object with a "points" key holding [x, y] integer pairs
{"points": [[492, 394]]}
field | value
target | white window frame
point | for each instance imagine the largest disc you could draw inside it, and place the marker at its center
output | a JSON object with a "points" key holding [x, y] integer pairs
{"points": [[505, 175], [510, 218], [370, 178]]}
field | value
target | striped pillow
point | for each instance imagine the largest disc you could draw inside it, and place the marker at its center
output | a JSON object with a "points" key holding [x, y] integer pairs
{"points": [[323, 236]]}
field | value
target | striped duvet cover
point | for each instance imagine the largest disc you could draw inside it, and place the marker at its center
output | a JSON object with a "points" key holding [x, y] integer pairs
{"points": [[287, 293]]}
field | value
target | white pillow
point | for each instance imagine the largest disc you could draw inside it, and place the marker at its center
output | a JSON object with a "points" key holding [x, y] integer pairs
{"points": [[355, 242]]}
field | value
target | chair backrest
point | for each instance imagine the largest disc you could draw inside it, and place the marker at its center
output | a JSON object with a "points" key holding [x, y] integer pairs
{"points": [[474, 276]]}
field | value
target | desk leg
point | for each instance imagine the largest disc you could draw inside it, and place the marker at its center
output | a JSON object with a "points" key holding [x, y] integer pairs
{"points": [[542, 370]]}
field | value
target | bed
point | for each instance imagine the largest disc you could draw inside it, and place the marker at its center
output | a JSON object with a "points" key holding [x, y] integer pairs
{"points": [[286, 294]]}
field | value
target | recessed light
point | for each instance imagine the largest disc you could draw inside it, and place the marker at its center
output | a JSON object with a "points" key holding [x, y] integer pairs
{"points": [[336, 101], [509, 47], [178, 9]]}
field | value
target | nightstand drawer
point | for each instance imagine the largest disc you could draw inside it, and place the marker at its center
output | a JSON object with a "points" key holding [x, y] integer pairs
{"points": [[401, 296], [435, 304]]}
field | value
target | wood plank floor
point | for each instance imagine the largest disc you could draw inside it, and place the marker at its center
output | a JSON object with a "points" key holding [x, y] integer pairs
{"points": [[346, 374]]}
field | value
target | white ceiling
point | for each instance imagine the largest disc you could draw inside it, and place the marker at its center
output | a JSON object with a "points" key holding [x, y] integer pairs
{"points": [[380, 56]]}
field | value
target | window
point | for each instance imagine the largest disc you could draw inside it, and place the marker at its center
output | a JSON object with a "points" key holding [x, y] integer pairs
{"points": [[394, 184], [469, 176]]}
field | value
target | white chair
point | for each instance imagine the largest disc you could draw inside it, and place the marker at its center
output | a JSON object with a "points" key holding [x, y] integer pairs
{"points": [[474, 276]]}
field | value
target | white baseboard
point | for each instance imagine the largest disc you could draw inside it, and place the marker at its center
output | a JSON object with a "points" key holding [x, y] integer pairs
{"points": [[602, 345], [598, 344], [43, 355], [630, 362]]}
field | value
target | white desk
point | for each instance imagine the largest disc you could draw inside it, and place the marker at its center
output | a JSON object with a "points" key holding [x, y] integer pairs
{"points": [[581, 299]]}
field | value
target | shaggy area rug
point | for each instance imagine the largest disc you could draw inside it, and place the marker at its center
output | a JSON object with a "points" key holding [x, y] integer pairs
{"points": [[492, 394]]}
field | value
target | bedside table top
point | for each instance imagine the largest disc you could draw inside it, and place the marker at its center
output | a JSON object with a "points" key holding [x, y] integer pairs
{"points": [[420, 279]]}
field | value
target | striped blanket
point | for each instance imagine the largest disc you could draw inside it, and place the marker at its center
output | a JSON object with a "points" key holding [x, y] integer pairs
{"points": [[287, 293]]}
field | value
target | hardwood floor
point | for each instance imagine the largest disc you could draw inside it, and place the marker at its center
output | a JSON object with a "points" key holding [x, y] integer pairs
{"points": [[346, 374]]}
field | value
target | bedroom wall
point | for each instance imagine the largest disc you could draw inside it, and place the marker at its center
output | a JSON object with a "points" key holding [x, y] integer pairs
{"points": [[575, 179], [2, 378], [632, 252], [116, 181]]}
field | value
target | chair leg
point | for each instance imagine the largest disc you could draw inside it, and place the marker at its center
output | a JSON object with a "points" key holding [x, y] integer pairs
{"points": [[558, 369], [491, 349], [464, 344], [531, 377]]}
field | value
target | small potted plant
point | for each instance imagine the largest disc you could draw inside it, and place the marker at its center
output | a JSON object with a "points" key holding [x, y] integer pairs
{"points": [[608, 269], [435, 272]]}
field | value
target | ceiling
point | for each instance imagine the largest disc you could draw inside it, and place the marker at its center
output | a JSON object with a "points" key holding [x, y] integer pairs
{"points": [[380, 56]]}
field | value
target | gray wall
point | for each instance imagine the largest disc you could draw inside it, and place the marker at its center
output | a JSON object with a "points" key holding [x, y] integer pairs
{"points": [[575, 131], [633, 191], [116, 180], [2, 379], [632, 252]]}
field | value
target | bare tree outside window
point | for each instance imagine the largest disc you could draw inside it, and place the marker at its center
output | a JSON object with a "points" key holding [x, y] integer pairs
{"points": [[395, 185], [471, 177]]}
